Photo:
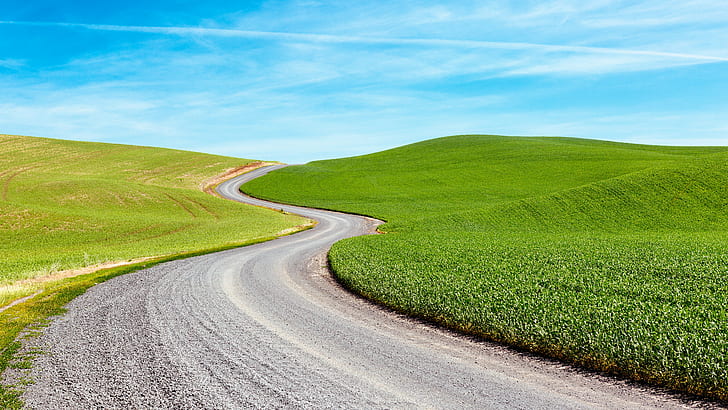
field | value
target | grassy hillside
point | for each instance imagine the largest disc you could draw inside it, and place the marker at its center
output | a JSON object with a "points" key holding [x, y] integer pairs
{"points": [[611, 256], [67, 204]]}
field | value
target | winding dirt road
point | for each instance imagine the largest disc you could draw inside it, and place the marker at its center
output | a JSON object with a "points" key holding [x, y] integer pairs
{"points": [[266, 326]]}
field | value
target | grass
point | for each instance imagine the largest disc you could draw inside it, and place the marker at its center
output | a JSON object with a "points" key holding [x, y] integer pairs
{"points": [[67, 204], [606, 255]]}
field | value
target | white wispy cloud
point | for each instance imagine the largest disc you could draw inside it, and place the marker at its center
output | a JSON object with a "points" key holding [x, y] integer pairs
{"points": [[579, 64], [656, 13], [11, 63], [343, 39]]}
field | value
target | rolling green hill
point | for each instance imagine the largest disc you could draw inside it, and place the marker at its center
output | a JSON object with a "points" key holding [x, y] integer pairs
{"points": [[67, 204], [611, 256]]}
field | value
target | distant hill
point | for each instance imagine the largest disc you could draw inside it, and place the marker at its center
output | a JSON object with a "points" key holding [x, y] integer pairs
{"points": [[68, 204], [496, 182]]}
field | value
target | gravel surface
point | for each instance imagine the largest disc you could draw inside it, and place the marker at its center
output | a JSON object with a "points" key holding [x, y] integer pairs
{"points": [[265, 326]]}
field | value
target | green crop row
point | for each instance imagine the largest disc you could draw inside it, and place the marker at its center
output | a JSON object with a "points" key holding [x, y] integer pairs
{"points": [[653, 309]]}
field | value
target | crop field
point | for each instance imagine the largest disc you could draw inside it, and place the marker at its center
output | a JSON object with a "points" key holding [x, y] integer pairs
{"points": [[66, 204], [610, 256]]}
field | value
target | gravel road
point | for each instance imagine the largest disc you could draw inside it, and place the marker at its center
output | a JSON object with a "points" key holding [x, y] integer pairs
{"points": [[265, 326]]}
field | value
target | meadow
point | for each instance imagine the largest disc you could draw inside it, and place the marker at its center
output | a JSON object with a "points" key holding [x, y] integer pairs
{"points": [[68, 204], [606, 255]]}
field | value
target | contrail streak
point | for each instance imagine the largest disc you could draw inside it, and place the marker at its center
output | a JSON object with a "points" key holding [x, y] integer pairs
{"points": [[341, 39]]}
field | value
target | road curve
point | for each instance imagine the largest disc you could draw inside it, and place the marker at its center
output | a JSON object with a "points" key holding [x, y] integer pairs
{"points": [[266, 326]]}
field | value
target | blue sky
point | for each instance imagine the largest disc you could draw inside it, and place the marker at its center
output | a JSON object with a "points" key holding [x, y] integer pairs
{"points": [[302, 80]]}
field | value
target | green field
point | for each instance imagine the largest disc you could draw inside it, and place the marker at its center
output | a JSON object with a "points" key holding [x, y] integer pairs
{"points": [[66, 204], [607, 255]]}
